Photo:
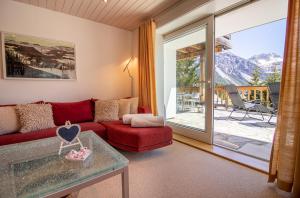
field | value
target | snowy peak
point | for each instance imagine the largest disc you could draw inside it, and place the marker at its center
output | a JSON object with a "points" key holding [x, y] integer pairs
{"points": [[231, 68], [266, 59]]}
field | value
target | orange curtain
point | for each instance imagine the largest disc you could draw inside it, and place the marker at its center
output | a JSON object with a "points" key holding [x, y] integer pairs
{"points": [[284, 163], [147, 87]]}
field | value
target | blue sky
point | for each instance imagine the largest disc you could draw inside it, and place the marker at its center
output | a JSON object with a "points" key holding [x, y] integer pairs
{"points": [[266, 38]]}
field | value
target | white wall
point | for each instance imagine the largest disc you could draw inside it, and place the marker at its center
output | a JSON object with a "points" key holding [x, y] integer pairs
{"points": [[101, 53], [170, 81], [159, 74]]}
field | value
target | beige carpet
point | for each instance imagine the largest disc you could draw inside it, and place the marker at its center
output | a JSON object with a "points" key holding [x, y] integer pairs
{"points": [[184, 172]]}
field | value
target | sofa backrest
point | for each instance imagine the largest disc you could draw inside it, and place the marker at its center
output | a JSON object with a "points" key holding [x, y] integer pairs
{"points": [[75, 112]]}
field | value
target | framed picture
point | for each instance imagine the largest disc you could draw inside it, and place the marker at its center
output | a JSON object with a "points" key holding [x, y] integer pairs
{"points": [[29, 57]]}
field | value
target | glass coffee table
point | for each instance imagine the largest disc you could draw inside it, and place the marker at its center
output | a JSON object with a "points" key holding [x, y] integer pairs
{"points": [[34, 169]]}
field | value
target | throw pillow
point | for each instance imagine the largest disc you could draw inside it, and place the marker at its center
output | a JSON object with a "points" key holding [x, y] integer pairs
{"points": [[124, 108], [106, 110], [134, 103], [9, 121], [35, 117], [75, 112]]}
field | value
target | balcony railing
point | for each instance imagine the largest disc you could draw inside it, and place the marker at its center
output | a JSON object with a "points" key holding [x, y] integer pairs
{"points": [[221, 98], [248, 93]]}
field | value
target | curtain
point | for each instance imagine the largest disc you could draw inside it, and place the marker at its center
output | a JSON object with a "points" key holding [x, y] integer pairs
{"points": [[284, 163], [147, 87]]}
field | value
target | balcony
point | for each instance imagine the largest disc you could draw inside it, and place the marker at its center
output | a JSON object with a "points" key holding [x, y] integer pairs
{"points": [[250, 136]]}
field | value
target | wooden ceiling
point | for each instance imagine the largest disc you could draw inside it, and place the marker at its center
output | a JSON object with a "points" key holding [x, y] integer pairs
{"points": [[126, 14], [190, 51], [222, 43]]}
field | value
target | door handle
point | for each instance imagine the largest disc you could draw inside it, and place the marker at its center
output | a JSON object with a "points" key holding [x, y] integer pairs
{"points": [[209, 84]]}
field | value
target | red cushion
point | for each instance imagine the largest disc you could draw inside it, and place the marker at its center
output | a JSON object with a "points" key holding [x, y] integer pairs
{"points": [[45, 133], [137, 139], [144, 109], [75, 112]]}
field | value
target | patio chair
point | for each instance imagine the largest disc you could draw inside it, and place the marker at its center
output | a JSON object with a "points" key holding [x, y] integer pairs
{"points": [[239, 104], [274, 90], [195, 101]]}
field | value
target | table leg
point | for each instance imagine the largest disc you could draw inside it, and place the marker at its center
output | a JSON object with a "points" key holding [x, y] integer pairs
{"points": [[125, 183]]}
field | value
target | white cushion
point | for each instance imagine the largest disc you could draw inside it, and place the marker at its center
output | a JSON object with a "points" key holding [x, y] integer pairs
{"points": [[134, 103], [9, 121], [151, 121], [124, 108], [128, 117]]}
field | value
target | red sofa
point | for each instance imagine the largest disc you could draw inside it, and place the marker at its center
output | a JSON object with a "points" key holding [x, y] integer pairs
{"points": [[115, 132]]}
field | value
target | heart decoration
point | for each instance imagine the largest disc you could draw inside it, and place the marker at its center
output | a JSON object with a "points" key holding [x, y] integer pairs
{"points": [[69, 132]]}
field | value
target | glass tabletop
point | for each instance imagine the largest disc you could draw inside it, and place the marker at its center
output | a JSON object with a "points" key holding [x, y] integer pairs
{"points": [[34, 169]]}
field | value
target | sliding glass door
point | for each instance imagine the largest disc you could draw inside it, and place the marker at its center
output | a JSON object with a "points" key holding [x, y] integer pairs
{"points": [[188, 58], [248, 65]]}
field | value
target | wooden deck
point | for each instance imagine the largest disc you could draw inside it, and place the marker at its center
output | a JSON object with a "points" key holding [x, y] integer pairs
{"points": [[250, 136]]}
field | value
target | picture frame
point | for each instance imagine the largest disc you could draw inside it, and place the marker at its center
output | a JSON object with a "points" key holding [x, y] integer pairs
{"points": [[34, 58]]}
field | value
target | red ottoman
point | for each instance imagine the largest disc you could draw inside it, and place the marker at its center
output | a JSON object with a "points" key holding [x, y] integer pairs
{"points": [[137, 139]]}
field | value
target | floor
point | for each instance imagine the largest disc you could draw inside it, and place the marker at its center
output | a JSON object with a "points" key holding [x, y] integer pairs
{"points": [[250, 136], [181, 171], [245, 160]]}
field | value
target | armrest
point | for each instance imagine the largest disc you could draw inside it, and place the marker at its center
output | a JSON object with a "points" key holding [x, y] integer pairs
{"points": [[253, 101], [144, 110]]}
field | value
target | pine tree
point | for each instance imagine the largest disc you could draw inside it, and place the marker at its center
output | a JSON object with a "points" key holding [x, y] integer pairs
{"points": [[255, 80], [186, 73], [275, 76]]}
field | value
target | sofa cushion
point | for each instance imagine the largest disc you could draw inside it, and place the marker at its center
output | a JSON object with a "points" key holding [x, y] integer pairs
{"points": [[9, 121], [45, 133], [106, 110], [137, 139], [75, 112], [144, 109], [134, 103], [35, 117], [99, 129], [124, 108]]}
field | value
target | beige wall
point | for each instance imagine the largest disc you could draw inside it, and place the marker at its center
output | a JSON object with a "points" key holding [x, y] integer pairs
{"points": [[101, 53]]}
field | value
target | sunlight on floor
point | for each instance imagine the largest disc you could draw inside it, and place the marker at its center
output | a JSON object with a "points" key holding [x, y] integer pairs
{"points": [[250, 136]]}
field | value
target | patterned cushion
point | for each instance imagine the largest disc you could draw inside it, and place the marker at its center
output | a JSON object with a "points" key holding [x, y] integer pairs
{"points": [[35, 117], [134, 103], [9, 121], [106, 110], [124, 108]]}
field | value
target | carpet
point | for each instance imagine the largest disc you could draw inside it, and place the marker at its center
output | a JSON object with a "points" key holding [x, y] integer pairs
{"points": [[181, 171]]}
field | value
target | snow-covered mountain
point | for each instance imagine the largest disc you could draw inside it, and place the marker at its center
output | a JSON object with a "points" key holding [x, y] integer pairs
{"points": [[233, 69], [267, 61]]}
